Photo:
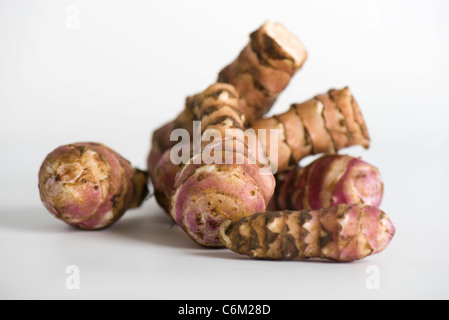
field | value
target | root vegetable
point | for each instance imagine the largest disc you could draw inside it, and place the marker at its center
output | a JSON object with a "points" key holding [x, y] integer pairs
{"points": [[342, 233], [164, 175], [325, 124], [264, 68], [261, 71], [160, 143], [220, 196], [330, 180], [90, 186], [306, 129], [206, 193]]}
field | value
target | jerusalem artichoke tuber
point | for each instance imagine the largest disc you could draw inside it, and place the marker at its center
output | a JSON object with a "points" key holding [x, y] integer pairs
{"points": [[264, 68], [307, 128], [216, 202], [164, 175], [90, 186], [325, 124], [328, 181], [342, 233], [261, 71], [207, 193]]}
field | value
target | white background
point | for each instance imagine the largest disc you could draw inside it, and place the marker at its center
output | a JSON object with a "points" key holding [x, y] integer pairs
{"points": [[128, 69]]}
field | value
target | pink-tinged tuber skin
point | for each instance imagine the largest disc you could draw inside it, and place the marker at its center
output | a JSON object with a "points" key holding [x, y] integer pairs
{"points": [[261, 71], [330, 180], [326, 123], [160, 143], [89, 186], [341, 233], [164, 177], [206, 193]]}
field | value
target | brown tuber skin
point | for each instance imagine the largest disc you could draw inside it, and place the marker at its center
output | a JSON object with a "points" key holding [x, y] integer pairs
{"points": [[259, 74], [324, 124], [207, 193], [163, 178], [264, 68], [341, 233], [201, 196], [89, 186], [328, 181]]}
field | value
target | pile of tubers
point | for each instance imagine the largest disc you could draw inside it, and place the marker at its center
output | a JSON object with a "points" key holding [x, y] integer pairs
{"points": [[326, 210]]}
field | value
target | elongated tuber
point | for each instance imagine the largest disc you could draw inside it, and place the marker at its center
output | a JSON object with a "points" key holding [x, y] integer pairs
{"points": [[206, 193], [328, 181], [259, 74], [220, 196], [90, 186], [324, 124], [342, 233], [307, 128], [264, 68]]}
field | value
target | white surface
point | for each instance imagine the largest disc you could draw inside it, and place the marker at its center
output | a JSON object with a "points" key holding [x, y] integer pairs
{"points": [[128, 69]]}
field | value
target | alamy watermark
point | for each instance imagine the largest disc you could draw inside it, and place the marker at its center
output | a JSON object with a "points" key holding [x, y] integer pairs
{"points": [[373, 18], [235, 147], [72, 281], [72, 21], [373, 280]]}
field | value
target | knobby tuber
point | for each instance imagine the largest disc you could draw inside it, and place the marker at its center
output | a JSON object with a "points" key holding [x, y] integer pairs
{"points": [[264, 68], [328, 181], [324, 124], [342, 233], [259, 74], [220, 196], [90, 186], [206, 193]]}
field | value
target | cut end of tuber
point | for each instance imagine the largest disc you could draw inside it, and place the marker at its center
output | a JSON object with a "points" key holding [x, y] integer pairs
{"points": [[286, 42]]}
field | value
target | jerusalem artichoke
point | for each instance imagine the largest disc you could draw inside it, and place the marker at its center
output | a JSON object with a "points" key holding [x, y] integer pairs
{"points": [[217, 195], [306, 129], [206, 193], [342, 233], [264, 68], [90, 186], [261, 71], [325, 124], [164, 175], [328, 181]]}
